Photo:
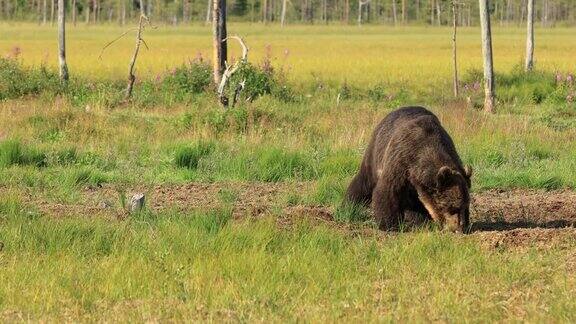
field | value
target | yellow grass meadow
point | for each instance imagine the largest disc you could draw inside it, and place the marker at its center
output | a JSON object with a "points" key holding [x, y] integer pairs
{"points": [[361, 55]]}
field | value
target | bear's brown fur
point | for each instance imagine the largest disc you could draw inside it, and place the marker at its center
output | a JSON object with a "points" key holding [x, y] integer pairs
{"points": [[411, 166]]}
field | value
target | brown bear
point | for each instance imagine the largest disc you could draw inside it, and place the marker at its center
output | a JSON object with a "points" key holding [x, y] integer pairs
{"points": [[411, 167]]}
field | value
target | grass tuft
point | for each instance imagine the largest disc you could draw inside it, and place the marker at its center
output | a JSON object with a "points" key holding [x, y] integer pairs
{"points": [[351, 213], [189, 156], [12, 152]]}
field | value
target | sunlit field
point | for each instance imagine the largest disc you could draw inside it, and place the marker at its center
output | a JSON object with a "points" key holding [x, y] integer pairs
{"points": [[243, 219], [359, 55]]}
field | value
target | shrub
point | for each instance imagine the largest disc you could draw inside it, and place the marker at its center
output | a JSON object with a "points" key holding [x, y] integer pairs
{"points": [[258, 82], [192, 78], [17, 81], [517, 86]]}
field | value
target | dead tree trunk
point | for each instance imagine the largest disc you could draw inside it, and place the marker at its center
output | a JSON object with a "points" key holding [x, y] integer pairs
{"points": [[38, 11], [438, 13], [142, 23], [361, 4], [431, 12], [404, 11], [228, 72], [523, 7], [454, 48], [123, 19], [52, 12], [283, 13], [62, 40], [487, 55], [545, 13], [209, 12], [131, 77], [87, 11], [186, 11], [44, 12], [394, 12], [219, 39], [96, 11], [529, 65], [74, 12], [508, 11]]}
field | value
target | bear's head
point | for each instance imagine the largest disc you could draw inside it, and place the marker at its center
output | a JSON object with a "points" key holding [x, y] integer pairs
{"points": [[447, 198]]}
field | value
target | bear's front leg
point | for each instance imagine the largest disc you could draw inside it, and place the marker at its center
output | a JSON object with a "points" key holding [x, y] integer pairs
{"points": [[386, 206]]}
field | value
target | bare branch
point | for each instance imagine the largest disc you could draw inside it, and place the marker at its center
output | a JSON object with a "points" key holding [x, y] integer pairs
{"points": [[145, 23], [115, 40], [230, 70], [145, 45], [244, 47]]}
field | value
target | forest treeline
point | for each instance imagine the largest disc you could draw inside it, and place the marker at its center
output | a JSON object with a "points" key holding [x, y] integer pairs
{"points": [[548, 13]]}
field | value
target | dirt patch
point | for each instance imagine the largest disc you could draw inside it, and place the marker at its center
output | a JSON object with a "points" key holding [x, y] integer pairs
{"points": [[506, 210], [501, 219], [522, 238]]}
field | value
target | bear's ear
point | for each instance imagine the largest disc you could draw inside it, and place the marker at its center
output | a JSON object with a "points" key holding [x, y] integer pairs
{"points": [[445, 176], [468, 171]]}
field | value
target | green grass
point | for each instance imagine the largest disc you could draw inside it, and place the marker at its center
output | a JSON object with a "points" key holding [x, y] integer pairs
{"points": [[202, 266], [13, 153]]}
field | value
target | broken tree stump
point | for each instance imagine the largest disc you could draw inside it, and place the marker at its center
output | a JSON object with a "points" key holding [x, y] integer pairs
{"points": [[137, 203]]}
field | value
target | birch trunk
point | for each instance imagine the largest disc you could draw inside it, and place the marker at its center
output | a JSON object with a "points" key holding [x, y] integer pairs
{"points": [[454, 48], [431, 12], [209, 11], [359, 12], [186, 11], [62, 40], [74, 12], [44, 12], [529, 65], [404, 11], [87, 11], [438, 13], [52, 12], [394, 12], [283, 14], [487, 56], [123, 19]]}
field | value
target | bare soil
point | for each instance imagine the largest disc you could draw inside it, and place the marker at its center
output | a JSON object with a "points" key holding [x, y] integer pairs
{"points": [[501, 219]]}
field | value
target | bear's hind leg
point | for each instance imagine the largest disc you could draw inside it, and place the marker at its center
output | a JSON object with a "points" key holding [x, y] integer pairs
{"points": [[386, 206], [360, 189]]}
